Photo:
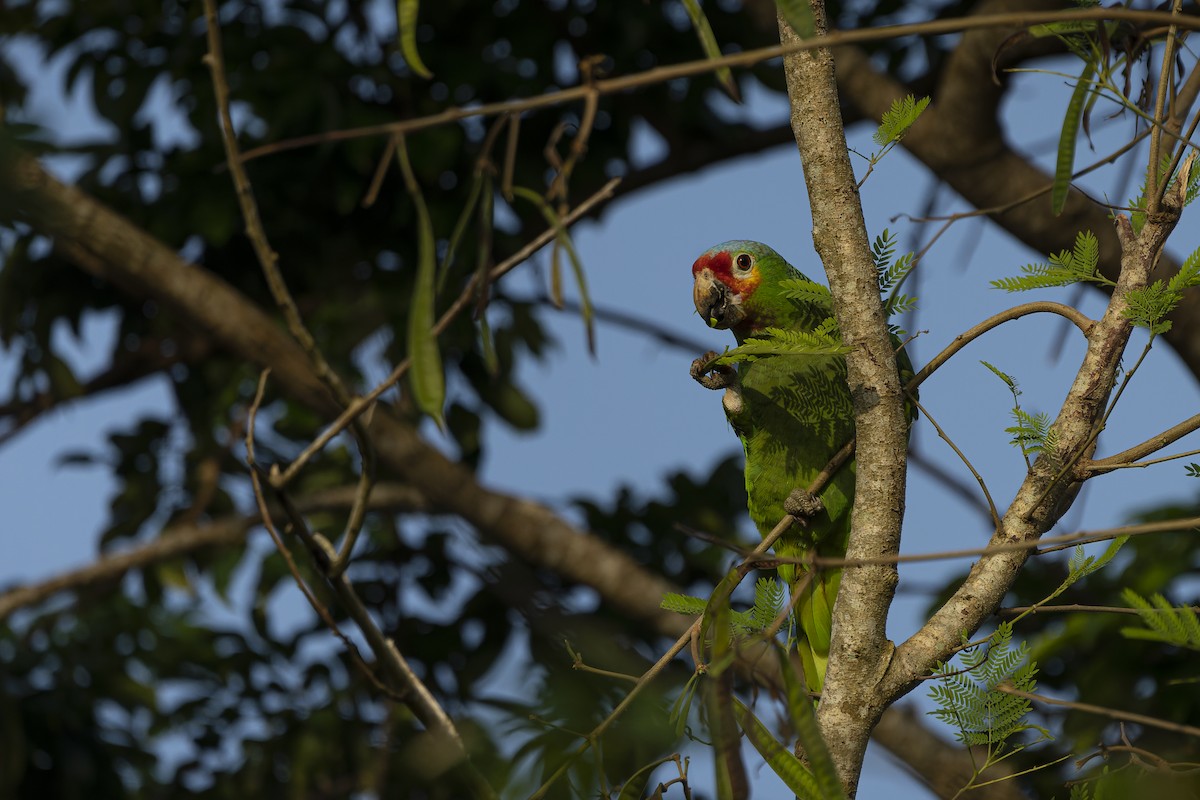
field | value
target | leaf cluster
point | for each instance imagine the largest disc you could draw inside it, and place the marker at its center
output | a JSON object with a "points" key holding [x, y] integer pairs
{"points": [[1079, 265], [898, 119], [816, 347], [769, 598], [1179, 626], [968, 697], [1149, 306], [892, 274], [1137, 217], [1033, 433]]}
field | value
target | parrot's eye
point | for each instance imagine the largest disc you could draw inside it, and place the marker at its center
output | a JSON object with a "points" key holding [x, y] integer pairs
{"points": [[744, 261]]}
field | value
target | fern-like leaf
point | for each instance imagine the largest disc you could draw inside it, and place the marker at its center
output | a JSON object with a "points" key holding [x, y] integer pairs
{"points": [[1178, 626], [1032, 432], [683, 604], [819, 344], [1149, 307], [968, 696], [1138, 217], [805, 291], [898, 119], [1079, 265], [769, 597]]}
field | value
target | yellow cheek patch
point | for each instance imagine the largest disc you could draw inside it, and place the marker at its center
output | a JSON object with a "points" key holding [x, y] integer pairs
{"points": [[746, 286]]}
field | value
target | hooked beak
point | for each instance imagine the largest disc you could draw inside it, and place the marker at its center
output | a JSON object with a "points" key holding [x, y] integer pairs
{"points": [[715, 302]]}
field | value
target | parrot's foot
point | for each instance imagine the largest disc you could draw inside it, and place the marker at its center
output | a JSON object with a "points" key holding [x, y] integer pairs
{"points": [[716, 378], [803, 504]]}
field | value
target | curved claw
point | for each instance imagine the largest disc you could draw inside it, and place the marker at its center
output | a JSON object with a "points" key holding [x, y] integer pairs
{"points": [[716, 378], [803, 505]]}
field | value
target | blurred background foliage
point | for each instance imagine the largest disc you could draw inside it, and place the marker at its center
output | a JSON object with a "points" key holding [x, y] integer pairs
{"points": [[95, 688]]}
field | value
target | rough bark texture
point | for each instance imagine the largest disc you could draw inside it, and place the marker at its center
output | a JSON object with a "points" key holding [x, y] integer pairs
{"points": [[860, 650]]}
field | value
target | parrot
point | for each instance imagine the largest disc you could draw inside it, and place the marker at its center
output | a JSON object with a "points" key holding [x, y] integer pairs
{"points": [[792, 413]]}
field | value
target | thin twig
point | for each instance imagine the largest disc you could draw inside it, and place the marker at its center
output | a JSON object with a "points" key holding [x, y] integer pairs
{"points": [[179, 539], [1132, 456], [1077, 608], [912, 398], [265, 513], [702, 66], [410, 689], [1056, 542], [1155, 192], [268, 259], [1111, 713], [1080, 320], [360, 404]]}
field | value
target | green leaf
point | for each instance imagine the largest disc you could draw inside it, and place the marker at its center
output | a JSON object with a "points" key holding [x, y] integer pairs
{"points": [[805, 291], [804, 719], [425, 374], [798, 14], [819, 344], [1164, 623], [708, 41], [1080, 265], [1149, 306], [635, 785], [683, 705], [968, 697], [1082, 565], [899, 118], [564, 240], [1065, 165], [683, 604], [781, 760], [406, 24]]}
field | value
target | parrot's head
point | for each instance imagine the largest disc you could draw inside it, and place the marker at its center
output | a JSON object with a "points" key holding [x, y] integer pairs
{"points": [[737, 286]]}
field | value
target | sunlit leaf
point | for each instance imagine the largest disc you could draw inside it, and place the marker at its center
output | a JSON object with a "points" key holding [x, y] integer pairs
{"points": [[406, 23], [425, 374], [1065, 164], [708, 41]]}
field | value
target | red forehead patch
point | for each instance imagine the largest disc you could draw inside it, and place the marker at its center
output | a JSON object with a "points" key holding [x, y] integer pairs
{"points": [[721, 266], [720, 263]]}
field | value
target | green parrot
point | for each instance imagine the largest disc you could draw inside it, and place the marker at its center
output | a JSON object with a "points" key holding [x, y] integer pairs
{"points": [[792, 413]]}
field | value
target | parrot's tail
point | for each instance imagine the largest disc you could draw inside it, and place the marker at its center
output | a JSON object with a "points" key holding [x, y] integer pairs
{"points": [[815, 618]]}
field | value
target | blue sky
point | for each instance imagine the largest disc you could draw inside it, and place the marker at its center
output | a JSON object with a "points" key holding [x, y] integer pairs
{"points": [[632, 414]]}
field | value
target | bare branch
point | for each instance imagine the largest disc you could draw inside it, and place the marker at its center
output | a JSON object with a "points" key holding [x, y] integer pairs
{"points": [[1132, 457], [748, 58], [1111, 713], [177, 541]]}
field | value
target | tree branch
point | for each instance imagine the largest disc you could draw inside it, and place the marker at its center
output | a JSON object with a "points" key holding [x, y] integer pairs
{"points": [[859, 650], [176, 541], [1046, 493], [960, 140]]}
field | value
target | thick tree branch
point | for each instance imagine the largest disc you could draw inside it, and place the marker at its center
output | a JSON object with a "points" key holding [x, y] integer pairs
{"points": [[176, 541], [860, 650], [1049, 488], [145, 267]]}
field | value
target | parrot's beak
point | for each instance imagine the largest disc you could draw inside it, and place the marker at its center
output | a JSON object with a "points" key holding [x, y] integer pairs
{"points": [[715, 302]]}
